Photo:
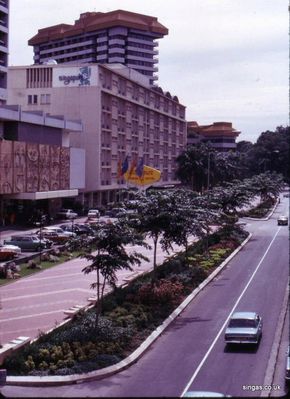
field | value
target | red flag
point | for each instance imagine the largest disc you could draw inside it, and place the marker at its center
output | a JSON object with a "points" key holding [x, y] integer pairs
{"points": [[119, 173], [132, 167]]}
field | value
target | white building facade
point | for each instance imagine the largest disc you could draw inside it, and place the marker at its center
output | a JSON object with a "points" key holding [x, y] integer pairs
{"points": [[122, 116]]}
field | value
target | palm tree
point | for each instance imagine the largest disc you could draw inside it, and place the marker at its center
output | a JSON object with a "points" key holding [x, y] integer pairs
{"points": [[192, 166]]}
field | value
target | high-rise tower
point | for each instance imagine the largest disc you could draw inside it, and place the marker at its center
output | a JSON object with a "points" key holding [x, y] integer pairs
{"points": [[114, 37], [4, 21]]}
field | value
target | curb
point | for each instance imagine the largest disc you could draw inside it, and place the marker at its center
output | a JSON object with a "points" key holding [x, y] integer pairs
{"points": [[269, 376], [131, 359], [266, 218]]}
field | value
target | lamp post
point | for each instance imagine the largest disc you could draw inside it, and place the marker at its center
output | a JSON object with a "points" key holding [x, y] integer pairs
{"points": [[208, 169]]}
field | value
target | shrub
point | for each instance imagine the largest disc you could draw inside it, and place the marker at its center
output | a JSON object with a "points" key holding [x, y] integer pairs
{"points": [[163, 292], [198, 275]]}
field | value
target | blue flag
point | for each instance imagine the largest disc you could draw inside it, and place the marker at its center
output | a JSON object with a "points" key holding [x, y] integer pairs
{"points": [[125, 166], [140, 168]]}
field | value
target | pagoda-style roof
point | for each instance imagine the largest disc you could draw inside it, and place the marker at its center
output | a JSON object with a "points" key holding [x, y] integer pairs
{"points": [[215, 129], [92, 21]]}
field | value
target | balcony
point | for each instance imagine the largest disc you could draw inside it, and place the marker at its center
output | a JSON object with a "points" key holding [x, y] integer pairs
{"points": [[3, 7], [67, 47]]}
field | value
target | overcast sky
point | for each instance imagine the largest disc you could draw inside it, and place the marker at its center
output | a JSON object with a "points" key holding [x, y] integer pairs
{"points": [[226, 60]]}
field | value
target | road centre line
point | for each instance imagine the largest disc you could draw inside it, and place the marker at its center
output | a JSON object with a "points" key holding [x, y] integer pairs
{"points": [[225, 323]]}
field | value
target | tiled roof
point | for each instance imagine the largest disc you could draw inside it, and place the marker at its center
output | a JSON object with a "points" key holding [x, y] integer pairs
{"points": [[91, 21], [215, 129]]}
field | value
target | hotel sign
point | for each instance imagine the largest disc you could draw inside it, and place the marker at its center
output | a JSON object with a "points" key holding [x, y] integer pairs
{"points": [[74, 77]]}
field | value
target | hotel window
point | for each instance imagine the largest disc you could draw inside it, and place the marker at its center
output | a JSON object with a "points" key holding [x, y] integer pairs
{"points": [[45, 99], [32, 99]]}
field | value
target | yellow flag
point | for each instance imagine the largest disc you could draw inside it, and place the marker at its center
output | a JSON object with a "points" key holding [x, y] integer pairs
{"points": [[149, 176]]}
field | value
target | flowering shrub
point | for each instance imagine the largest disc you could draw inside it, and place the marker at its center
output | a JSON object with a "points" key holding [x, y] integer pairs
{"points": [[163, 292]]}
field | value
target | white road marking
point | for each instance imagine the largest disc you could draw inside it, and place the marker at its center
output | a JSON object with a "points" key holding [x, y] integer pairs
{"points": [[225, 323], [33, 315], [45, 293]]}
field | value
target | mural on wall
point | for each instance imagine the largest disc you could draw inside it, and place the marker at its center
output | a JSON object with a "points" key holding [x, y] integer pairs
{"points": [[19, 165], [31, 167], [32, 153], [44, 167], [64, 167], [55, 167], [6, 175]]}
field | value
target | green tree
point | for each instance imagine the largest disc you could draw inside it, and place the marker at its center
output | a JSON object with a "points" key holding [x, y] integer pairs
{"points": [[155, 214], [185, 219], [267, 185], [270, 153], [229, 197], [192, 166], [107, 254]]}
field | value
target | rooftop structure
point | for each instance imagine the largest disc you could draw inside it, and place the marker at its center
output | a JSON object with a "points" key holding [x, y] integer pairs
{"points": [[114, 37], [221, 135]]}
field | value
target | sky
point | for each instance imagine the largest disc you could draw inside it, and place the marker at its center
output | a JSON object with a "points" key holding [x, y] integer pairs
{"points": [[226, 60]]}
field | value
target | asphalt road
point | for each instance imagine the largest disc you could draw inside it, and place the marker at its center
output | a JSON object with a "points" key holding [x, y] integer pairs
{"points": [[191, 354]]}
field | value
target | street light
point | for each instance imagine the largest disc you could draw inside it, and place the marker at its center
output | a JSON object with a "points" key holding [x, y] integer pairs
{"points": [[40, 224]]}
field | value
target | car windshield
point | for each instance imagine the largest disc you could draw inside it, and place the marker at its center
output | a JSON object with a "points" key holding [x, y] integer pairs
{"points": [[242, 323]]}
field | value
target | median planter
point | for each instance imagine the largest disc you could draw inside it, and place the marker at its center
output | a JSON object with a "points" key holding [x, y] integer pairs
{"points": [[129, 316]]}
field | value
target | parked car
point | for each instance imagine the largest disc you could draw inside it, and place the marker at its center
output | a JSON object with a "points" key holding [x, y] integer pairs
{"points": [[26, 242], [244, 328], [67, 214], [8, 252], [36, 220], [287, 374], [92, 221], [47, 243], [53, 236], [58, 229], [93, 214], [282, 220], [116, 212], [77, 228]]}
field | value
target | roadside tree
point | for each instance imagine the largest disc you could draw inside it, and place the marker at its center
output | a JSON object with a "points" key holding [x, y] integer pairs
{"points": [[107, 255]]}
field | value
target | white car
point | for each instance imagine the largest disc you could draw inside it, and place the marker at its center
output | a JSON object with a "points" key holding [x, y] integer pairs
{"points": [[93, 214], [244, 328], [8, 251], [67, 214], [59, 230]]}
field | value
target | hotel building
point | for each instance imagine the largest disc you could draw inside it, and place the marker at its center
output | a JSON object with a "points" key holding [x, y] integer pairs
{"points": [[122, 114], [221, 135], [114, 37]]}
